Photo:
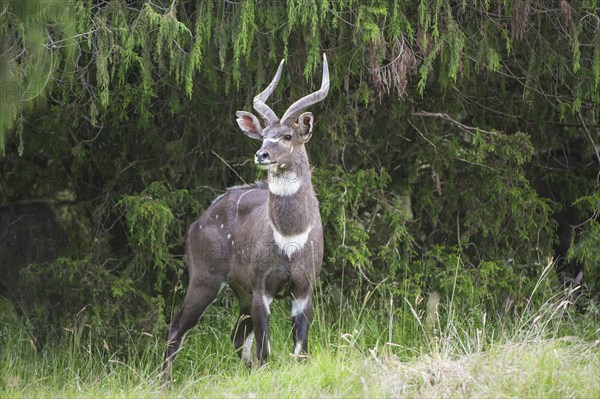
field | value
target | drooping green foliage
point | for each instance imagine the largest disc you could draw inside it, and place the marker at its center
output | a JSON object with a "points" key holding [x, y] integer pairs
{"points": [[441, 119], [38, 40]]}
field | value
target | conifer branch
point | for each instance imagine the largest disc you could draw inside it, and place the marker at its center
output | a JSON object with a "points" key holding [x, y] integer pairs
{"points": [[468, 129], [589, 136]]}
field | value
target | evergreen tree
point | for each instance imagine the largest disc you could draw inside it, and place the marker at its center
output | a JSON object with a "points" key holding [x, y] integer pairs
{"points": [[443, 119]]}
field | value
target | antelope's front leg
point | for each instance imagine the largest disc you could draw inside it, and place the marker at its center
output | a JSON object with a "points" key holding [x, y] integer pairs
{"points": [[260, 317], [301, 318]]}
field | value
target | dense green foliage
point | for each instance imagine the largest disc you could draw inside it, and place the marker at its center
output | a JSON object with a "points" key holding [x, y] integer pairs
{"points": [[440, 117]]}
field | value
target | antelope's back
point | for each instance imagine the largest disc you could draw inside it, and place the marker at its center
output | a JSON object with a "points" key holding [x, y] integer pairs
{"points": [[219, 236]]}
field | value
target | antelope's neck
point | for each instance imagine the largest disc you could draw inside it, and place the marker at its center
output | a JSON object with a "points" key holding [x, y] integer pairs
{"points": [[292, 201]]}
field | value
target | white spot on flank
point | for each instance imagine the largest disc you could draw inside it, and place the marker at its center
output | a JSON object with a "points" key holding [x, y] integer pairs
{"points": [[247, 348], [285, 184], [298, 306], [221, 225], [199, 227], [228, 236], [217, 216], [292, 243], [298, 348]]}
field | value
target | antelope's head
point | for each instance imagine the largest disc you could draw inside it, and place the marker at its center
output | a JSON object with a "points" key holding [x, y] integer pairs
{"points": [[283, 139]]}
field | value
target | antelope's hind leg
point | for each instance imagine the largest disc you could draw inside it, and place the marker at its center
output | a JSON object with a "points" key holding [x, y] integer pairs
{"points": [[198, 297], [260, 316]]}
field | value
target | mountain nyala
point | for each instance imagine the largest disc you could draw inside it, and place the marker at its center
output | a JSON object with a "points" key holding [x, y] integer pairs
{"points": [[265, 240]]}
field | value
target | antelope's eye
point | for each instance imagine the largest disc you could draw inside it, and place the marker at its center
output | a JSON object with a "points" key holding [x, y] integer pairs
{"points": [[287, 137]]}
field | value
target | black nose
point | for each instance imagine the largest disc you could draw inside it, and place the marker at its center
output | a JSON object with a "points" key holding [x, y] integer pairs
{"points": [[262, 155]]}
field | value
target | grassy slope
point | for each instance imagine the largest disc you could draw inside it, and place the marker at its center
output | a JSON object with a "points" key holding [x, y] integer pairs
{"points": [[365, 353]]}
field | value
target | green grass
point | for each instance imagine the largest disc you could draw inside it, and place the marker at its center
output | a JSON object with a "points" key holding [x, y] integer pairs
{"points": [[367, 347]]}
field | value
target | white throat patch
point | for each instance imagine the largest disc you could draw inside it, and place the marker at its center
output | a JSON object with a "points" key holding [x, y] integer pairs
{"points": [[286, 184], [292, 243]]}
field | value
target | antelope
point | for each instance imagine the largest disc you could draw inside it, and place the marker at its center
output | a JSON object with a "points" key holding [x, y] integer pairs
{"points": [[265, 240]]}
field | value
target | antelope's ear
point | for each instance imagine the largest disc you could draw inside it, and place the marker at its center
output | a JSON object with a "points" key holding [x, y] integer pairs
{"points": [[249, 124], [305, 125]]}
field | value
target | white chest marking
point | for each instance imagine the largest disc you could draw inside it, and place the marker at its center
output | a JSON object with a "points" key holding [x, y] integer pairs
{"points": [[285, 184], [293, 243]]}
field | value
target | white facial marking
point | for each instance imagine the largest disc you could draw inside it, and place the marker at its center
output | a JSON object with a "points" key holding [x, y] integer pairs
{"points": [[267, 302], [293, 243], [285, 184], [298, 348], [292, 150], [298, 306]]}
